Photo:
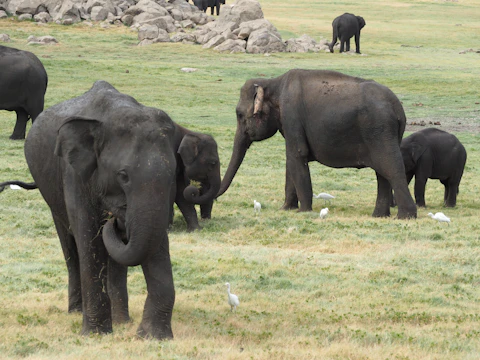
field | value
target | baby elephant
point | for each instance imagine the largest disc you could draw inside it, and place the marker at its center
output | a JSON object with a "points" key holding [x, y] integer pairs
{"points": [[434, 154], [344, 28]]}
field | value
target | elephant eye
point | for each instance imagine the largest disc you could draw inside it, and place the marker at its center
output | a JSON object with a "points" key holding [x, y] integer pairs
{"points": [[123, 177]]}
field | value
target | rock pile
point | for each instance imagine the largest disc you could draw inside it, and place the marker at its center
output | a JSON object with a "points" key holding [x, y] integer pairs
{"points": [[241, 26]]}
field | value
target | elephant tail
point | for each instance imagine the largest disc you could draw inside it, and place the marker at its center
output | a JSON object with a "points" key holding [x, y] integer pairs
{"points": [[24, 185], [334, 37]]}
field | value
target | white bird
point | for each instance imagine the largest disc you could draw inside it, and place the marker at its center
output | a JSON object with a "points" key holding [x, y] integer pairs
{"points": [[324, 196], [232, 298], [15, 187], [323, 213], [440, 217], [257, 207]]}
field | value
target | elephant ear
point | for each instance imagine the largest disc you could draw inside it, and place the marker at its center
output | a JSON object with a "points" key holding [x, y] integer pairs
{"points": [[76, 144], [258, 99], [361, 22], [189, 148], [416, 151]]}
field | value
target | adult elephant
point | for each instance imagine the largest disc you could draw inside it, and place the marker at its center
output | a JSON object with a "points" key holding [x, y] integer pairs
{"points": [[23, 83], [344, 28], [212, 4], [105, 165], [197, 159], [434, 154], [335, 119]]}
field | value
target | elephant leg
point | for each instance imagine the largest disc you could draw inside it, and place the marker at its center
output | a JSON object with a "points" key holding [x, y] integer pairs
{"points": [[291, 199], [342, 44], [451, 191], [20, 125], [117, 291], [206, 210], [188, 209], [348, 45], [70, 254], [419, 189], [357, 43], [297, 165], [157, 313], [384, 193]]}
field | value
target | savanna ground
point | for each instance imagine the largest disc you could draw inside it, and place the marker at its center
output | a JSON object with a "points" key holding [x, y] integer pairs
{"points": [[349, 287]]}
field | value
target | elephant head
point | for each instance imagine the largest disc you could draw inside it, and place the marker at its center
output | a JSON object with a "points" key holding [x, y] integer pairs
{"points": [[130, 166], [411, 153], [257, 119], [199, 155]]}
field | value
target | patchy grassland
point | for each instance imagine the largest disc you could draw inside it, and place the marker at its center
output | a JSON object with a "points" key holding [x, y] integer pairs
{"points": [[349, 287]]}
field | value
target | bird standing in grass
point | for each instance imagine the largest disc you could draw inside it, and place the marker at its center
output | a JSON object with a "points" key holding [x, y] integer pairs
{"points": [[257, 207], [326, 197], [232, 298], [440, 217], [323, 213]]}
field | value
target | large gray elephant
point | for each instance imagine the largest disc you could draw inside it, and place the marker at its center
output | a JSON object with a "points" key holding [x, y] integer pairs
{"points": [[106, 167], [335, 119], [212, 4], [23, 83], [344, 28], [434, 154]]}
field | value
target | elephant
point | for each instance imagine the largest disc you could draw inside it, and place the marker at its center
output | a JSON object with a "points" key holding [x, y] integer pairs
{"points": [[345, 27], [204, 4], [23, 83], [197, 159], [335, 119], [106, 166], [434, 154]]}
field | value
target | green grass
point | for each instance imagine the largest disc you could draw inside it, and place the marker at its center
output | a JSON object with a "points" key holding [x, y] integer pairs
{"points": [[349, 287]]}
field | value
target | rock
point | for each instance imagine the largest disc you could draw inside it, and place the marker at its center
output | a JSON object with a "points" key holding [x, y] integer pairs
{"points": [[67, 22], [183, 37], [187, 24], [106, 4], [68, 10], [302, 44], [3, 14], [232, 46], [4, 38], [98, 13], [241, 11], [188, 70], [42, 17], [25, 17], [127, 20], [246, 28], [215, 41], [177, 14], [145, 42], [147, 32], [133, 11], [152, 7], [43, 40], [263, 41], [162, 36]]}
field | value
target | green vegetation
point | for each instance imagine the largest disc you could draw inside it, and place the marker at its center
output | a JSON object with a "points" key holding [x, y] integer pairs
{"points": [[348, 287]]}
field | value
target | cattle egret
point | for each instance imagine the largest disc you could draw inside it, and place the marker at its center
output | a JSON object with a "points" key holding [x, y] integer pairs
{"points": [[323, 213], [324, 196], [232, 298], [440, 217], [15, 187], [257, 207]]}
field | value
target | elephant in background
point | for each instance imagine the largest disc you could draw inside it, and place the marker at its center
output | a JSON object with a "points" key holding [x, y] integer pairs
{"points": [[106, 166], [23, 83], [345, 27], [212, 4], [335, 119], [434, 154], [197, 159]]}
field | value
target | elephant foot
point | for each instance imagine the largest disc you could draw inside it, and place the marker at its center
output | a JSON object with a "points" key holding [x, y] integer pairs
{"points": [[381, 214], [121, 318], [149, 331], [75, 309], [17, 137], [289, 207], [407, 213], [97, 329], [423, 205], [193, 228]]}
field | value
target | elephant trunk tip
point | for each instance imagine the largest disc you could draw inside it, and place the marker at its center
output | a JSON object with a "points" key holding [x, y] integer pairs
{"points": [[191, 192]]}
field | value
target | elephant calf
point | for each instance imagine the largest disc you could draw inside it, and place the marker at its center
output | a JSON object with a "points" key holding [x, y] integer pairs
{"points": [[434, 154], [345, 27]]}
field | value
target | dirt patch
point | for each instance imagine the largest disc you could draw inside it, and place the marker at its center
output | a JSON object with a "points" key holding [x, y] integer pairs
{"points": [[449, 124]]}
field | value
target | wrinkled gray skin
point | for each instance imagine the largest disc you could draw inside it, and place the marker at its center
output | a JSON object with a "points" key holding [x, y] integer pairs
{"points": [[434, 154], [335, 119], [212, 4], [23, 83], [197, 159], [98, 156], [344, 28]]}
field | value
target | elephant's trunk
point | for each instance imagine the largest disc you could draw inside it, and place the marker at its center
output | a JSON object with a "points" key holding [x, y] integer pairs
{"points": [[144, 236], [240, 146], [191, 193]]}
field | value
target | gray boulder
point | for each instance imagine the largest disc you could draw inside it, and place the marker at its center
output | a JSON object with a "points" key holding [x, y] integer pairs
{"points": [[4, 38], [25, 17], [241, 11], [3, 14], [232, 46], [263, 41], [215, 41], [98, 13], [68, 10], [147, 32], [246, 28], [42, 17], [43, 40]]}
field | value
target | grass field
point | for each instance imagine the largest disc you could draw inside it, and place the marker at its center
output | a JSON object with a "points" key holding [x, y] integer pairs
{"points": [[349, 287]]}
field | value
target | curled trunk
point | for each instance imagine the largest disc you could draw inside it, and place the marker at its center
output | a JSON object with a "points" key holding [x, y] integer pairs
{"points": [[192, 194]]}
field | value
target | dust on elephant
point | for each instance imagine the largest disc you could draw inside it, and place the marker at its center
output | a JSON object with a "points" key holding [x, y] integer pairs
{"points": [[197, 159], [335, 119], [434, 154], [23, 83], [344, 28], [106, 167], [212, 4]]}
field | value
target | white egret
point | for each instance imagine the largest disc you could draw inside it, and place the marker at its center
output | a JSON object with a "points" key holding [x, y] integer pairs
{"points": [[257, 207], [440, 217], [326, 197], [232, 298], [323, 213], [15, 187]]}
